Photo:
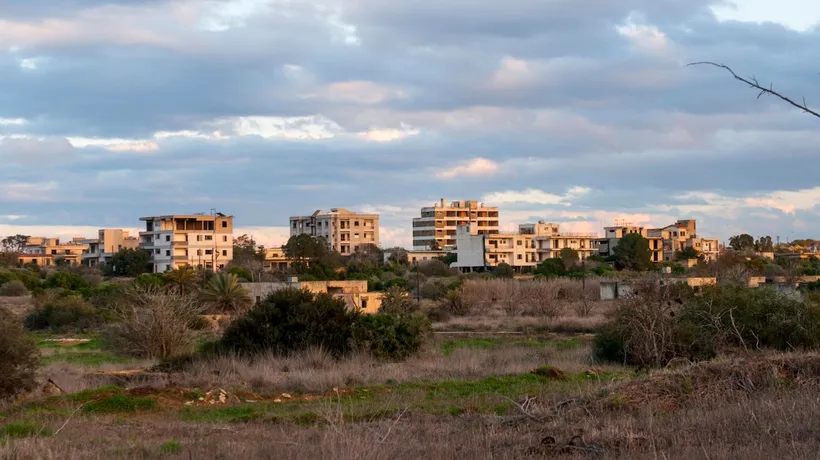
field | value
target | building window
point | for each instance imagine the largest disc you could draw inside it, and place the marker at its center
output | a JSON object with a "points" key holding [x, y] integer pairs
{"points": [[225, 239], [156, 251], [167, 252], [519, 256], [224, 224], [167, 237], [209, 237], [199, 237], [518, 243], [355, 223], [356, 235], [199, 252], [209, 252], [225, 252]]}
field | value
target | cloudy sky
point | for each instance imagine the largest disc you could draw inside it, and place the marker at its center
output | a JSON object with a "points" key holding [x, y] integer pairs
{"points": [[573, 111]]}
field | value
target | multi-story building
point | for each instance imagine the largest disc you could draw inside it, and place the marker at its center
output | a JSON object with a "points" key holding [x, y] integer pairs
{"points": [[275, 259], [664, 242], [195, 240], [109, 242], [533, 244], [683, 234], [438, 224], [344, 230], [45, 251], [612, 235]]}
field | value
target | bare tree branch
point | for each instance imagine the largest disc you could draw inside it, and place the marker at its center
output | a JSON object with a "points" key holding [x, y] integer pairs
{"points": [[753, 83]]}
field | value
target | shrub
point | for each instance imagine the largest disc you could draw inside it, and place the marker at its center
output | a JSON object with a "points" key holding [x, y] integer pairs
{"points": [[659, 323], [152, 322], [292, 320], [390, 336], [433, 268], [66, 280], [13, 288], [433, 290], [503, 270], [454, 303], [61, 313], [18, 357]]}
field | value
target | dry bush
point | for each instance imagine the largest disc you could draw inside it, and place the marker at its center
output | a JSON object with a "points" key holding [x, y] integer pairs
{"points": [[13, 288], [18, 357], [151, 322], [539, 297]]}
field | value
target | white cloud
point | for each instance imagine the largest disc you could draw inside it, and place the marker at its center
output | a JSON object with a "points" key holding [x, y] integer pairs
{"points": [[645, 37], [22, 191], [388, 134], [115, 145], [470, 168], [13, 121], [535, 196]]}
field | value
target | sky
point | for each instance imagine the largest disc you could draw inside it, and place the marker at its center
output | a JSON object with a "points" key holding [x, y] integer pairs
{"points": [[579, 112]]}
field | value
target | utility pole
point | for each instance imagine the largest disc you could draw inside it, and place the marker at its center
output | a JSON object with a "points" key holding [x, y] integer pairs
{"points": [[418, 283]]}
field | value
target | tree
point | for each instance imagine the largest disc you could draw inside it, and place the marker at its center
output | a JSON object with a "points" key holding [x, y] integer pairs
{"points": [[397, 301], [245, 248], [742, 242], [551, 268], [129, 262], [569, 256], [687, 253], [312, 255], [764, 244], [503, 270], [632, 253], [753, 83], [14, 243], [182, 280], [434, 246], [225, 294], [368, 255], [397, 255], [450, 258]]}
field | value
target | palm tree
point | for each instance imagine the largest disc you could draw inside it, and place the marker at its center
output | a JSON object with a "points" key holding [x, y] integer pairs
{"points": [[225, 294], [181, 280]]}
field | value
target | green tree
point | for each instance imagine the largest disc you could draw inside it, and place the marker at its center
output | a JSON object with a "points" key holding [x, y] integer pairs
{"points": [[687, 253], [312, 256], [14, 243], [551, 268], [450, 258], [245, 248], [632, 253], [742, 242], [569, 256], [183, 279], [129, 262], [397, 301], [225, 294], [19, 357], [764, 244], [397, 255], [503, 270]]}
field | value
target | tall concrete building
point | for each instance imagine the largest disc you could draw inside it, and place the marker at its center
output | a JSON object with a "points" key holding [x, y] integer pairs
{"points": [[48, 251], [438, 224], [664, 242], [195, 240], [344, 230]]}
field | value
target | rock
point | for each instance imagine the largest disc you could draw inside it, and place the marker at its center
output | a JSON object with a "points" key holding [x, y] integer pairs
{"points": [[52, 389]]}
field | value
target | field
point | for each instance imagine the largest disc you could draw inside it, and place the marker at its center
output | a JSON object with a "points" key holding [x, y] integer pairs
{"points": [[468, 395]]}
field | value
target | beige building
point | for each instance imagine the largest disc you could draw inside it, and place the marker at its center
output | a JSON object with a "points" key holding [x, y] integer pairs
{"points": [[683, 234], [275, 259], [344, 230], [612, 235], [438, 224], [353, 292], [663, 242], [109, 242], [525, 250], [195, 240], [45, 251]]}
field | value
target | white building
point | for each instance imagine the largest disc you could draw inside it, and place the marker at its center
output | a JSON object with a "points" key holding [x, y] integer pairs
{"points": [[195, 240]]}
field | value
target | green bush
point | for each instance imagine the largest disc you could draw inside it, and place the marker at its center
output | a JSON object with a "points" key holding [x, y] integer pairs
{"points": [[397, 301], [659, 324], [18, 357], [390, 336], [434, 268], [291, 320], [30, 279], [63, 313], [66, 280], [13, 288]]}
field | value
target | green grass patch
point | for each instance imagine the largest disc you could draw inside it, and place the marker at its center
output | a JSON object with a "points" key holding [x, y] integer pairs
{"points": [[23, 430], [448, 346], [50, 341], [119, 403], [221, 414], [86, 358], [171, 447]]}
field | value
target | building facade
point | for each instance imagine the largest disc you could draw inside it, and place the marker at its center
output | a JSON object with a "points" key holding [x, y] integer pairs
{"points": [[194, 240], [344, 230], [664, 242], [48, 251], [109, 242], [437, 226], [525, 250]]}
